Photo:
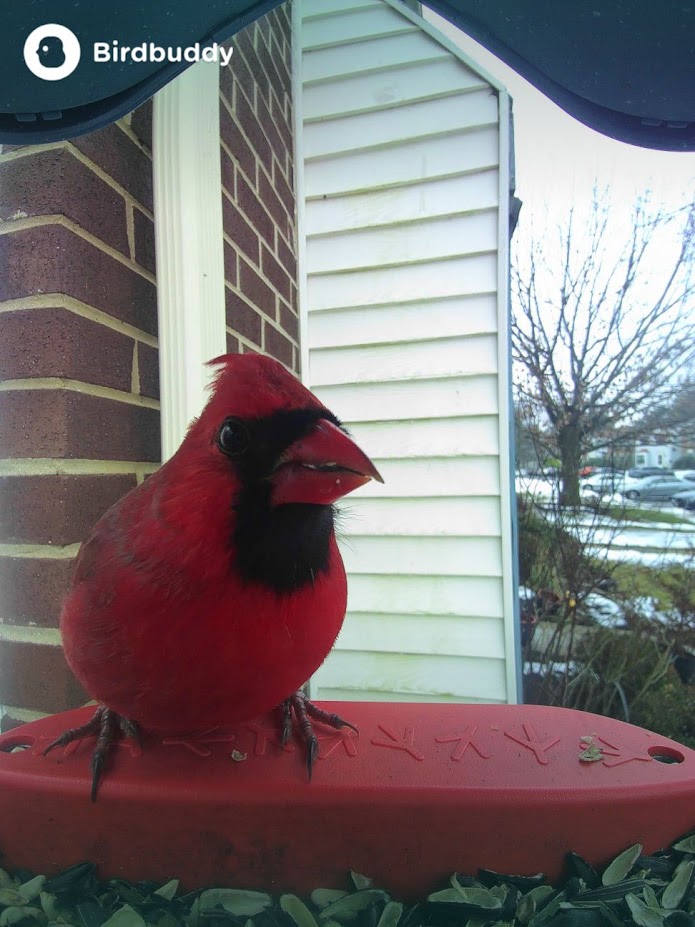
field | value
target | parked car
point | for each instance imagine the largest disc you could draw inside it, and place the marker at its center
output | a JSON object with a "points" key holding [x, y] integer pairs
{"points": [[685, 500], [654, 488], [605, 481], [638, 473]]}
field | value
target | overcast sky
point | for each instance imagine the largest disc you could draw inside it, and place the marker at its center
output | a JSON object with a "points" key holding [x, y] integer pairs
{"points": [[558, 158]]}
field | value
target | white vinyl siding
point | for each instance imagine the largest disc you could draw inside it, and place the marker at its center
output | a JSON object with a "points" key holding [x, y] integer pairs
{"points": [[402, 173]]}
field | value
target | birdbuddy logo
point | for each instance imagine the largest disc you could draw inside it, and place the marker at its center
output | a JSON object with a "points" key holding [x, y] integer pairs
{"points": [[52, 52]]}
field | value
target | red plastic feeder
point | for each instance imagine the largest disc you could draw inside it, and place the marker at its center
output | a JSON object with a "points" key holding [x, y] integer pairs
{"points": [[425, 789]]}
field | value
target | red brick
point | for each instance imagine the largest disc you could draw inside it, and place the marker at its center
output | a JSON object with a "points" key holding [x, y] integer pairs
{"points": [[271, 131], [239, 230], [264, 25], [242, 318], [53, 259], [256, 289], [267, 60], [143, 228], [278, 113], [56, 509], [36, 677], [277, 345], [273, 203], [228, 171], [233, 346], [230, 262], [148, 369], [284, 191], [58, 343], [32, 589], [62, 423], [57, 183], [119, 156], [141, 123], [227, 84], [243, 75], [289, 322], [287, 258], [254, 209], [243, 42], [237, 144], [275, 273], [248, 121]]}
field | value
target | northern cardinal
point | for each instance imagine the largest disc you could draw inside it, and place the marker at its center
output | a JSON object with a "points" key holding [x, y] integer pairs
{"points": [[211, 592]]}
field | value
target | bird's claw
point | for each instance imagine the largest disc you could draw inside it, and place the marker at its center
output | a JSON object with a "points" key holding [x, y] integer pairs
{"points": [[304, 711], [107, 725]]}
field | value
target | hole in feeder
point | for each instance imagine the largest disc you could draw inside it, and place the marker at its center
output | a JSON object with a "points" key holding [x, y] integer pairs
{"points": [[17, 745], [665, 755]]}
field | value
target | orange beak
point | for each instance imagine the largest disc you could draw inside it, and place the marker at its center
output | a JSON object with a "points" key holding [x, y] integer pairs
{"points": [[321, 467]]}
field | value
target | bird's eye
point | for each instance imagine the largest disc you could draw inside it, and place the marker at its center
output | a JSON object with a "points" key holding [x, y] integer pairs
{"points": [[233, 438]]}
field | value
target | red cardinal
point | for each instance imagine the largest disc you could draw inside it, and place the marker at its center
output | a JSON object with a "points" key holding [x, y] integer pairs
{"points": [[213, 590]]}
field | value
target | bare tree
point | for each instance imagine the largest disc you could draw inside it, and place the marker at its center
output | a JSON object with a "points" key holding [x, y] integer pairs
{"points": [[603, 327]]}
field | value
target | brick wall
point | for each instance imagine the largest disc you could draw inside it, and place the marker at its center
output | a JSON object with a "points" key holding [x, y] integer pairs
{"points": [[79, 397], [79, 385], [258, 198]]}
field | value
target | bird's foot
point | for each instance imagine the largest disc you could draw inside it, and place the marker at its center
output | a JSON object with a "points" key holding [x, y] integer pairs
{"points": [[304, 711], [108, 726]]}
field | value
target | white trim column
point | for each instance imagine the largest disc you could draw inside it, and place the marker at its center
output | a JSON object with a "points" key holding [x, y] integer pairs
{"points": [[190, 245]]}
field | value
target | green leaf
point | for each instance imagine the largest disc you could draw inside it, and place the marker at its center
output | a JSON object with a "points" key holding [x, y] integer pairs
{"points": [[641, 914], [649, 896], [608, 893], [168, 890], [686, 845], [621, 865], [677, 888], [236, 901], [391, 914], [322, 897], [297, 910], [349, 906]]}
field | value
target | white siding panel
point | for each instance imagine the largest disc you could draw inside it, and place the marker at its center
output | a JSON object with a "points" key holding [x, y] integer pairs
{"points": [[370, 55], [411, 359], [358, 24], [446, 437], [422, 159], [472, 637], [336, 694], [428, 280], [401, 217], [461, 677], [473, 315], [406, 83], [445, 197], [454, 556], [479, 597], [445, 476], [474, 517], [451, 236], [412, 399], [400, 124]]}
